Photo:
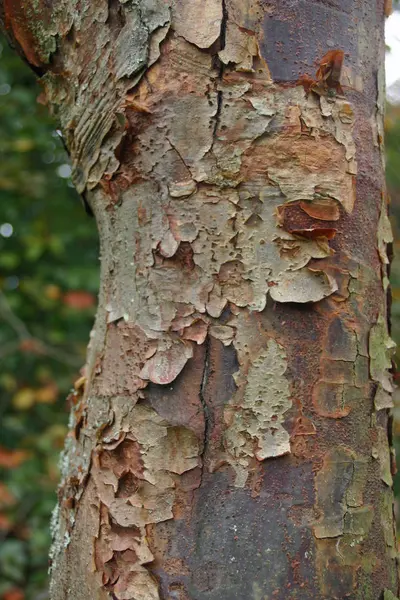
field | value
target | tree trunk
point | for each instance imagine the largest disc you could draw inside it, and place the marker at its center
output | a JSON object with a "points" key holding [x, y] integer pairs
{"points": [[232, 438]]}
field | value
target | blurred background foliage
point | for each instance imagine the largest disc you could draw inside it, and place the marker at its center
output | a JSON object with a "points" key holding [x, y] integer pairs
{"points": [[392, 147], [48, 286]]}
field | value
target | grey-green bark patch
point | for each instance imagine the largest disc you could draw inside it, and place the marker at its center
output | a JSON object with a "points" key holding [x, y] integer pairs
{"points": [[381, 452], [358, 521], [388, 595], [330, 166], [274, 261], [198, 21], [240, 48], [382, 399], [339, 487], [255, 423], [92, 116], [381, 350], [385, 234], [133, 473], [387, 523]]}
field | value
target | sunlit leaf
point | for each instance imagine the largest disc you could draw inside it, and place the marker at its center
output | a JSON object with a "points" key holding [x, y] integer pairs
{"points": [[23, 144], [24, 399], [8, 382], [52, 291], [47, 394], [14, 594], [5, 523], [10, 459], [79, 299], [7, 498]]}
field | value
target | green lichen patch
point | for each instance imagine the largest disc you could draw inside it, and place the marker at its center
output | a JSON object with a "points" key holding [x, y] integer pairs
{"points": [[388, 595], [381, 350], [339, 487], [255, 426], [358, 521]]}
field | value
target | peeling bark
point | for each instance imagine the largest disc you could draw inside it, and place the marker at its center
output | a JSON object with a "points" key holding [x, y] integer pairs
{"points": [[232, 437]]}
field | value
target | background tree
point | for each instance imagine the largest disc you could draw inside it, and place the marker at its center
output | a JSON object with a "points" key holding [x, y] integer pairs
{"points": [[180, 469]]}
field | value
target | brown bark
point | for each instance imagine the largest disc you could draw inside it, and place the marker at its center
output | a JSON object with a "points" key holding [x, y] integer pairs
{"points": [[232, 437]]}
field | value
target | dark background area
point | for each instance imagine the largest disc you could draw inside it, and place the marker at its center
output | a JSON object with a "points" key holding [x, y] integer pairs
{"points": [[48, 284]]}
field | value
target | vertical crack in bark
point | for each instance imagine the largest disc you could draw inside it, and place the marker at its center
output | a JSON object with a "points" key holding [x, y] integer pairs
{"points": [[219, 107], [206, 409], [221, 69], [223, 24], [176, 150]]}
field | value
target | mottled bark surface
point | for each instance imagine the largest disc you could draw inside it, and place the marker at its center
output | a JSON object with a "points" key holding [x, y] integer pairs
{"points": [[231, 440]]}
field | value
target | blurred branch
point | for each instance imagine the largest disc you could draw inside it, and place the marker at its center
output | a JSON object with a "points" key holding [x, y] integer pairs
{"points": [[26, 342], [12, 319], [9, 348], [57, 354]]}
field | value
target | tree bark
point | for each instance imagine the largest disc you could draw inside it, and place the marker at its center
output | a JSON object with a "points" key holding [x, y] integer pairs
{"points": [[232, 438]]}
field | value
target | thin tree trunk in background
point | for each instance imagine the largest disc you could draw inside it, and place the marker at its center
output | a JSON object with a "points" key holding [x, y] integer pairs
{"points": [[231, 441]]}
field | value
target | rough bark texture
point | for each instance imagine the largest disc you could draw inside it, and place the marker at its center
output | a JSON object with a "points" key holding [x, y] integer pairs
{"points": [[231, 440]]}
